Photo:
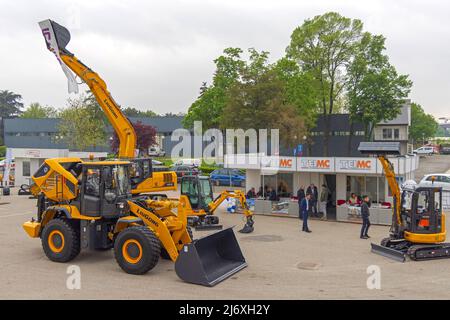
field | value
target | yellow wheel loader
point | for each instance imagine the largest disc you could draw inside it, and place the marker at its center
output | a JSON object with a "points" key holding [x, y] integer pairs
{"points": [[88, 205], [201, 204], [418, 223], [143, 178]]}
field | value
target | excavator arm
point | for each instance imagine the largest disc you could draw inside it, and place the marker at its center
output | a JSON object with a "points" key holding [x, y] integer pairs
{"points": [[122, 126], [389, 173], [240, 196], [56, 38]]}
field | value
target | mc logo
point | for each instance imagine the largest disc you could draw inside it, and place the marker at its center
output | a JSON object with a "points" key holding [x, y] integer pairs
{"points": [[285, 163], [323, 164], [364, 164]]}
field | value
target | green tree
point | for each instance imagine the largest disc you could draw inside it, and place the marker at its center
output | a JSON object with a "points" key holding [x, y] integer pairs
{"points": [[209, 106], [35, 110], [257, 101], [82, 125], [300, 90], [10, 104], [375, 91], [324, 46], [423, 125], [134, 112]]}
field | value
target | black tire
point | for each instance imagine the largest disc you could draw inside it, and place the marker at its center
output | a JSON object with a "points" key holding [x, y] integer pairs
{"points": [[61, 240], [137, 260], [165, 254]]}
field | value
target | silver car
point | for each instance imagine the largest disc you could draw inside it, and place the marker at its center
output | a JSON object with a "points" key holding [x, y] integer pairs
{"points": [[440, 180]]}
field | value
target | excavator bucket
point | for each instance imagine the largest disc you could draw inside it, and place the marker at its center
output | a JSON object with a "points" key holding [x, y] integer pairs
{"points": [[56, 38], [211, 259], [388, 252]]}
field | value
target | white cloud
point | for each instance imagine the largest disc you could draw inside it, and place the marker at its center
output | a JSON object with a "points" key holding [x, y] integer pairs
{"points": [[156, 54]]}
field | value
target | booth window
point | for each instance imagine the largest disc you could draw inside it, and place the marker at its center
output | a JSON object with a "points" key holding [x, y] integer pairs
{"points": [[374, 187], [26, 171]]}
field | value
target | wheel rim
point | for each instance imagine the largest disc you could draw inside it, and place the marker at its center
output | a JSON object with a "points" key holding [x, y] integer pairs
{"points": [[56, 241], [132, 251]]}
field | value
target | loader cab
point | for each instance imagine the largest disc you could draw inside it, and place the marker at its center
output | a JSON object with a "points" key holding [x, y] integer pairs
{"points": [[198, 190], [141, 169], [104, 188], [422, 210]]}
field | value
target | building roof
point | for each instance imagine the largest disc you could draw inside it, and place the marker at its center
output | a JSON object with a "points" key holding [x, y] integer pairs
{"points": [[31, 125], [165, 124]]}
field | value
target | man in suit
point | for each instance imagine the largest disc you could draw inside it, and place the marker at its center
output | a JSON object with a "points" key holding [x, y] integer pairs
{"points": [[312, 190], [305, 206], [365, 213], [300, 197]]}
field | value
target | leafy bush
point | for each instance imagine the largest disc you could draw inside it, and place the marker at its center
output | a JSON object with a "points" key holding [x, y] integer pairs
{"points": [[2, 151]]}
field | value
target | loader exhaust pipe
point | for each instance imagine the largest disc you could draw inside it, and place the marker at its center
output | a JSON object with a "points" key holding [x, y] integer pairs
{"points": [[211, 259]]}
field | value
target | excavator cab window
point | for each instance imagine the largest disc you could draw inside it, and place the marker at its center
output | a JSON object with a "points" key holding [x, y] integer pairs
{"points": [[198, 190], [141, 169], [426, 211], [190, 188]]}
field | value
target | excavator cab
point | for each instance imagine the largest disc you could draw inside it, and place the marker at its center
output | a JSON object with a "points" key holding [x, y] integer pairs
{"points": [[422, 212], [198, 190], [141, 169]]}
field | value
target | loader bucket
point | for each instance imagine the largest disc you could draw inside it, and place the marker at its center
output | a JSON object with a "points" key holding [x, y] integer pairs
{"points": [[211, 259], [388, 252]]}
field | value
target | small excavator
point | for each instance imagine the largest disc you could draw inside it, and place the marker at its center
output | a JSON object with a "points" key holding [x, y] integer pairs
{"points": [[197, 191], [143, 179], [418, 224]]}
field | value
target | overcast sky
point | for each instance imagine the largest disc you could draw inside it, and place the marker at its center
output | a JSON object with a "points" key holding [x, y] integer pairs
{"points": [[155, 54]]}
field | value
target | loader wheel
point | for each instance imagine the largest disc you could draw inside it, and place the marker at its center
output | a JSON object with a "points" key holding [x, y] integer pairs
{"points": [[137, 250], [165, 254], [60, 240]]}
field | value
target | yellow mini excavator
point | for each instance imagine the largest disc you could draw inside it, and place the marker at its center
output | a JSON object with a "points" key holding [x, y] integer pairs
{"points": [[418, 223], [89, 205], [143, 178], [196, 192]]}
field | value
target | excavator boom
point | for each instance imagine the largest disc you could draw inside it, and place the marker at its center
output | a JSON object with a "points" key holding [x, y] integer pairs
{"points": [[56, 38]]}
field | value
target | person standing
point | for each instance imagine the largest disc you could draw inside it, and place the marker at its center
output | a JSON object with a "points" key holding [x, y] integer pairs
{"points": [[306, 209], [324, 194], [312, 190], [365, 213], [300, 197]]}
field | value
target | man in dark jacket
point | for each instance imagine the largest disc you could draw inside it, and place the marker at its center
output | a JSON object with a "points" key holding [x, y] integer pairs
{"points": [[300, 197], [365, 213], [305, 207], [312, 189]]}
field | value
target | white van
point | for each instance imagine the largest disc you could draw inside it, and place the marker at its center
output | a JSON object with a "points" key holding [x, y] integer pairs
{"points": [[188, 162], [425, 150]]}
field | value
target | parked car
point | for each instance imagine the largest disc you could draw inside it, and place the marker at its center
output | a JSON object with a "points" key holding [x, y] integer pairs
{"points": [[182, 171], [425, 150], [189, 162], [225, 176], [156, 152], [440, 180], [445, 150]]}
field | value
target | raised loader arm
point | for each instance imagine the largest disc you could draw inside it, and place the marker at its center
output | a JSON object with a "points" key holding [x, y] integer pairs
{"points": [[57, 37]]}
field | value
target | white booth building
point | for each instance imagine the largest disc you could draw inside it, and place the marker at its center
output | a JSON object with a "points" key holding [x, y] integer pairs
{"points": [[343, 176]]}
